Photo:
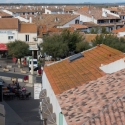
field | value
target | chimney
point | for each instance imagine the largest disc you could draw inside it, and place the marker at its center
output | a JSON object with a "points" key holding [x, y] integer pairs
{"points": [[89, 11], [92, 18], [40, 17], [56, 19], [26, 16], [30, 19]]}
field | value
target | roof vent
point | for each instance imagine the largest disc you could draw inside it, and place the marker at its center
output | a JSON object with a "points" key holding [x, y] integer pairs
{"points": [[76, 56]]}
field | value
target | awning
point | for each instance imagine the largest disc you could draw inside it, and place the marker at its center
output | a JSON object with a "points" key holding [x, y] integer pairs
{"points": [[45, 102], [33, 47], [51, 119], [47, 111], [43, 94], [3, 47]]}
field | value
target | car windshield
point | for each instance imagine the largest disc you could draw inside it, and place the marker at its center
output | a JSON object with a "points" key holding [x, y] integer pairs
{"points": [[34, 62]]}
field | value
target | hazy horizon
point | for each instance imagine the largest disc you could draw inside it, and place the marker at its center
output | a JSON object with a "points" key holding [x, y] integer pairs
{"points": [[62, 1]]}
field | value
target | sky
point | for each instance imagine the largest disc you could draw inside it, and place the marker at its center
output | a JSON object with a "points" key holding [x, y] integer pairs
{"points": [[60, 1]]}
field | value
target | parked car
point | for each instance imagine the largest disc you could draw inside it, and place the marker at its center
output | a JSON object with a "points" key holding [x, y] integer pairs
{"points": [[35, 64]]}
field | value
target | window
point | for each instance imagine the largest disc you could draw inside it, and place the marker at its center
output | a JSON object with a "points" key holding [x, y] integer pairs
{"points": [[76, 21], [27, 37], [10, 37]]}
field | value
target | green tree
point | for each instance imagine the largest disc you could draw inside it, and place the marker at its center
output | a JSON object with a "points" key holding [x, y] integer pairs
{"points": [[110, 40], [104, 31], [54, 46], [63, 44], [18, 49], [71, 39], [92, 31]]}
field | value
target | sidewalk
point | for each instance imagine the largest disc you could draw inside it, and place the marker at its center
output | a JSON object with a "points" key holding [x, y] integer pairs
{"points": [[22, 112], [11, 117]]}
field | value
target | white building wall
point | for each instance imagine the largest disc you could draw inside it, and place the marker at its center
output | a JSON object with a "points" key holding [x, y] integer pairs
{"points": [[53, 100], [108, 11], [5, 33], [84, 18], [47, 11], [9, 12], [22, 36], [113, 67], [22, 19], [120, 34]]}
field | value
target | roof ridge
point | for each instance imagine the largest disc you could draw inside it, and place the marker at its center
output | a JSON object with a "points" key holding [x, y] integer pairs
{"points": [[70, 56]]}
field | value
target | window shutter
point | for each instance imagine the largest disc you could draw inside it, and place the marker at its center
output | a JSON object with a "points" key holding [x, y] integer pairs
{"points": [[60, 118]]}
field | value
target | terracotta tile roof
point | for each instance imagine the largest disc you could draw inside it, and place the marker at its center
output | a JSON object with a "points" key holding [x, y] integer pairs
{"points": [[98, 102], [49, 19], [90, 37], [65, 75], [28, 28], [71, 8], [54, 9], [112, 24], [84, 8], [3, 14], [119, 30], [113, 9], [90, 24], [44, 30], [78, 26], [97, 14], [21, 10], [8, 23]]}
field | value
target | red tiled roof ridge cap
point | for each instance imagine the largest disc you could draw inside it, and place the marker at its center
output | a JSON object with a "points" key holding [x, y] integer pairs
{"points": [[69, 56]]}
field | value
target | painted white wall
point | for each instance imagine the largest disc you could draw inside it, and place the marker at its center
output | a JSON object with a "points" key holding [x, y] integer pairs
{"points": [[22, 19], [47, 11], [113, 67], [5, 33], [120, 34], [53, 100], [84, 18], [9, 12], [22, 36], [39, 40], [68, 24], [108, 11]]}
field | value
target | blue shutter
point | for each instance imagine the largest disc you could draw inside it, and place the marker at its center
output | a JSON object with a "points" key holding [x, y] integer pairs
{"points": [[60, 118]]}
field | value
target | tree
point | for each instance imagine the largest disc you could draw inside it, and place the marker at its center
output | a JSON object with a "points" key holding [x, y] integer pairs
{"points": [[104, 31], [63, 44], [18, 49], [110, 40], [54, 46], [71, 38], [98, 30]]}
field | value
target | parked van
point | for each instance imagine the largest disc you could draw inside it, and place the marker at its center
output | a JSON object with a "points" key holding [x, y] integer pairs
{"points": [[35, 64]]}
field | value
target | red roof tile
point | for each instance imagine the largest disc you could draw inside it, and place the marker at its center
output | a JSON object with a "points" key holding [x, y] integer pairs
{"points": [[119, 30], [66, 75], [100, 102]]}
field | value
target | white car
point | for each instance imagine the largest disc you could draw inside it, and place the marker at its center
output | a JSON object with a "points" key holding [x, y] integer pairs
{"points": [[35, 64]]}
